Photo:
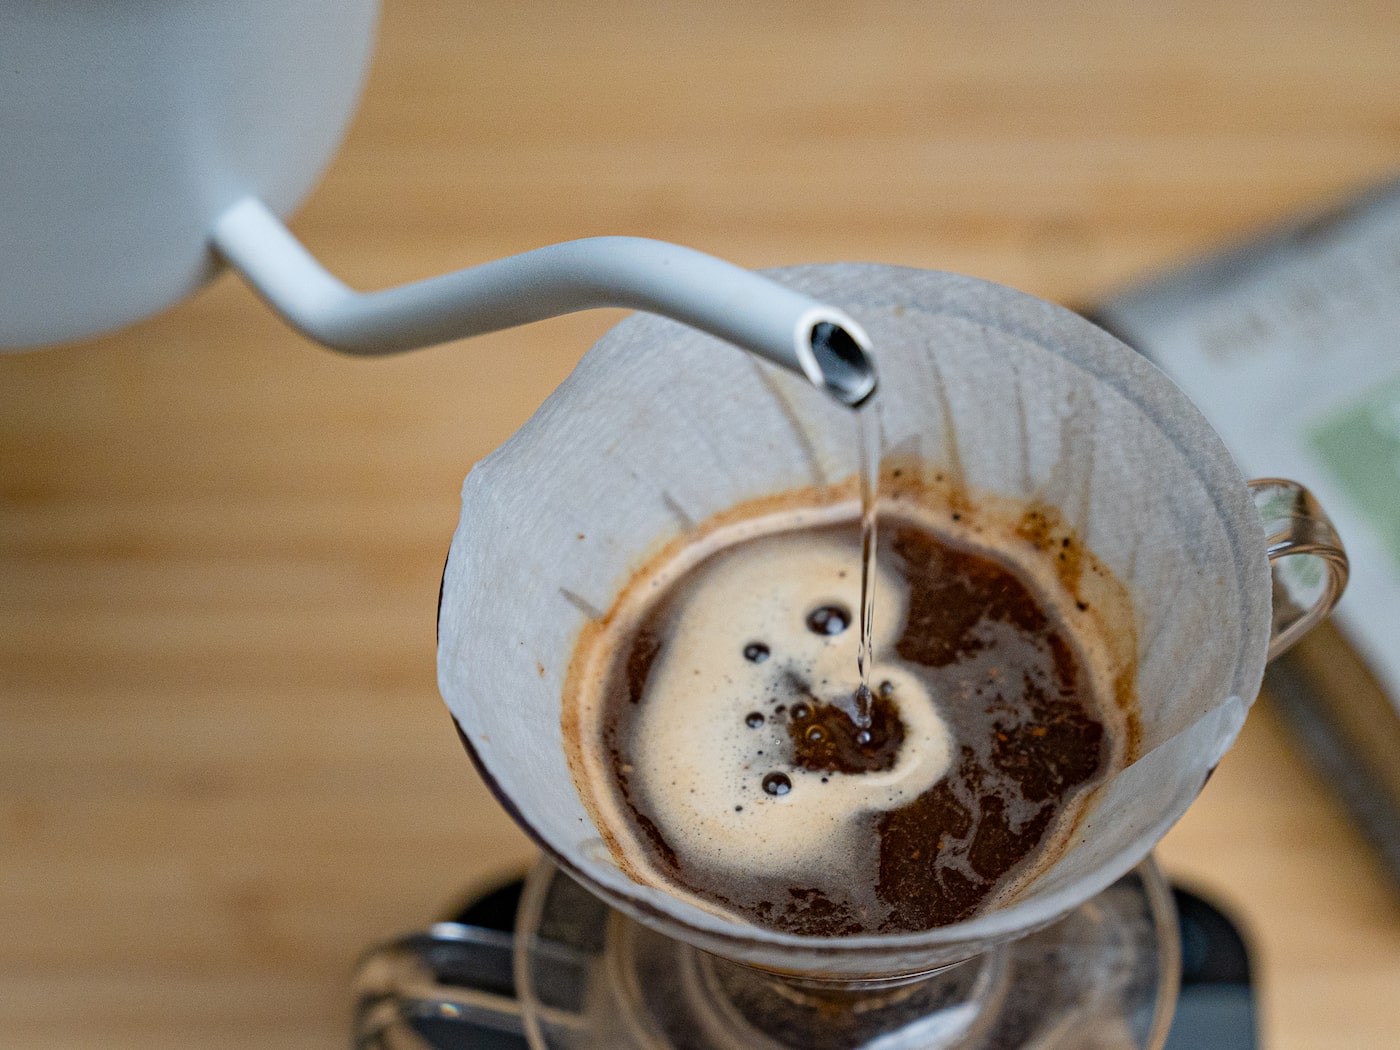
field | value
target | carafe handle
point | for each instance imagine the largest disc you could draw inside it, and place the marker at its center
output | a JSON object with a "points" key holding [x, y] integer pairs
{"points": [[1309, 564]]}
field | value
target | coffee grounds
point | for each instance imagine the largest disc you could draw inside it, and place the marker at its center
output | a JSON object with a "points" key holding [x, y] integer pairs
{"points": [[1028, 737]]}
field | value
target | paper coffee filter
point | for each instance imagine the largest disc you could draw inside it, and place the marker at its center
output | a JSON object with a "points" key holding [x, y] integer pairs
{"points": [[660, 427]]}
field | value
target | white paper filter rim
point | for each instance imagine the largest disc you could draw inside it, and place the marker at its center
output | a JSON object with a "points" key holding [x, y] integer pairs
{"points": [[660, 427]]}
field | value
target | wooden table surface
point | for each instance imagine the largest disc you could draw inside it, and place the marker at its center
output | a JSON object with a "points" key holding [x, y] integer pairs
{"points": [[224, 766]]}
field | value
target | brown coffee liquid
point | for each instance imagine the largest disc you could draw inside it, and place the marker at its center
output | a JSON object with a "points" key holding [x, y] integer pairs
{"points": [[1028, 738]]}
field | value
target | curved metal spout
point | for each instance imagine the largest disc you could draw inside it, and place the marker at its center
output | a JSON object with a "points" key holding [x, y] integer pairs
{"points": [[810, 338]]}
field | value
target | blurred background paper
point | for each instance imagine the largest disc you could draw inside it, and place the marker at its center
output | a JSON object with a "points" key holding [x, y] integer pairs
{"points": [[1290, 344]]}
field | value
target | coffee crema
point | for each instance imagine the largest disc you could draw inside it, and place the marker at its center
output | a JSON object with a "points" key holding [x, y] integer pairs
{"points": [[714, 736]]}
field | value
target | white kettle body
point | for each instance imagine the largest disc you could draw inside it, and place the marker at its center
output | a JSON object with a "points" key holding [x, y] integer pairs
{"points": [[127, 128]]}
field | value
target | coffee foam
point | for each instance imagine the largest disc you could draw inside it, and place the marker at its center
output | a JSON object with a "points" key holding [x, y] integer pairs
{"points": [[700, 767]]}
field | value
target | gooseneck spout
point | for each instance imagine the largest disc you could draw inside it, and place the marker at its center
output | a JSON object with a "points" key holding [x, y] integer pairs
{"points": [[810, 338]]}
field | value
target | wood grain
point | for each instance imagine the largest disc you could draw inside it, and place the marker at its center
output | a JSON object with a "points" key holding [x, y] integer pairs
{"points": [[224, 768]]}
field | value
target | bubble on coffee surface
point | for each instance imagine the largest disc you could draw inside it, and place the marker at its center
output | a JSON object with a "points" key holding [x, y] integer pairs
{"points": [[777, 784], [828, 620], [698, 752]]}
